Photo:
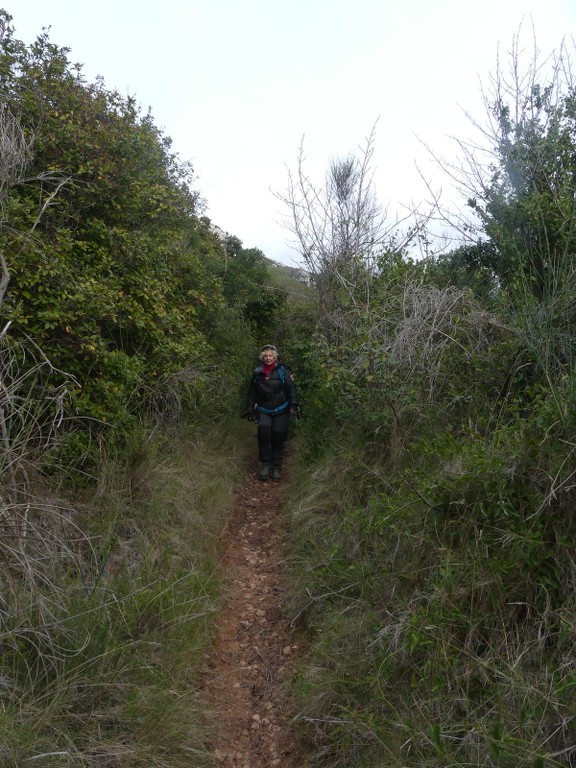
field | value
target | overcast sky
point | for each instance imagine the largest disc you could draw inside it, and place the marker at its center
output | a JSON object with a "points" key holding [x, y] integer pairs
{"points": [[237, 83]]}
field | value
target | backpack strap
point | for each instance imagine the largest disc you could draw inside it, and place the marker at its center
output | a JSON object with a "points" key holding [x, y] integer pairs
{"points": [[281, 373]]}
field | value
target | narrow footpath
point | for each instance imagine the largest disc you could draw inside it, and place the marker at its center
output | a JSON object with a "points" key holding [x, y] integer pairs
{"points": [[249, 678]]}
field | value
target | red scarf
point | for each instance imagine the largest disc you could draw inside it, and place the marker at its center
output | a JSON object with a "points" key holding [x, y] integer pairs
{"points": [[268, 368]]}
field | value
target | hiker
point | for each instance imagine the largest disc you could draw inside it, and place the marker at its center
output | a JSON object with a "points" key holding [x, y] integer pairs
{"points": [[272, 399]]}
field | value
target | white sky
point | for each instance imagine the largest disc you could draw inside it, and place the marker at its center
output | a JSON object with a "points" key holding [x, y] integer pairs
{"points": [[237, 83]]}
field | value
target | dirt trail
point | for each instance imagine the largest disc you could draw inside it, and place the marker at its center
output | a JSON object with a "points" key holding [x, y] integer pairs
{"points": [[255, 645]]}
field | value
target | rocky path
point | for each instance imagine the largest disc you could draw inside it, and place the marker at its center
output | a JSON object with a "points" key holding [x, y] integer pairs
{"points": [[255, 645]]}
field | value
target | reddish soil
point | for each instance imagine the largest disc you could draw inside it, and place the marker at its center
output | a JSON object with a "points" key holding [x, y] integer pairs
{"points": [[255, 646]]}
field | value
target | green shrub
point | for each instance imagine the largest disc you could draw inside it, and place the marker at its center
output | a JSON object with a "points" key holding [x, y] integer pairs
{"points": [[436, 596]]}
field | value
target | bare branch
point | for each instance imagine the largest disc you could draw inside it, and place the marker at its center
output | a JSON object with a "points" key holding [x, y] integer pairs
{"points": [[340, 229], [15, 151], [59, 182]]}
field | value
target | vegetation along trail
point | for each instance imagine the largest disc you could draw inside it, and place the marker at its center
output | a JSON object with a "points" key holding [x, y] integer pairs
{"points": [[255, 645]]}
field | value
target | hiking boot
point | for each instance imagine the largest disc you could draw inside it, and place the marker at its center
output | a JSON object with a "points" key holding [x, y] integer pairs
{"points": [[264, 472], [276, 472]]}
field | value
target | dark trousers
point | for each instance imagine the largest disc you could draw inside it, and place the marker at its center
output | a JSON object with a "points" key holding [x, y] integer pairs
{"points": [[272, 434]]}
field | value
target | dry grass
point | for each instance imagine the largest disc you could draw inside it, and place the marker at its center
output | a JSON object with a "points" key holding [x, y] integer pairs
{"points": [[108, 608], [438, 635]]}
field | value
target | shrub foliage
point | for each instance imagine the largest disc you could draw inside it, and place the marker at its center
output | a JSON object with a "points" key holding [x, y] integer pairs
{"points": [[434, 513]]}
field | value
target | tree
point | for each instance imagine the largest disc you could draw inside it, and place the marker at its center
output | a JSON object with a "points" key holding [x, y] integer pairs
{"points": [[246, 285], [14, 157], [339, 228], [32, 399], [520, 177], [113, 278], [471, 265], [520, 183]]}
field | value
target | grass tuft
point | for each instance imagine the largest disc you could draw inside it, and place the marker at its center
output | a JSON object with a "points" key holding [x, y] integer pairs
{"points": [[108, 609]]}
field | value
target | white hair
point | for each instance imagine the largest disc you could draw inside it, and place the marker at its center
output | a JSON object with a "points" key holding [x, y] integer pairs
{"points": [[268, 348]]}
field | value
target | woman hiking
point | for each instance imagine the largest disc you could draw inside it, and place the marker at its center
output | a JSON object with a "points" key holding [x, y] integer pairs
{"points": [[272, 398]]}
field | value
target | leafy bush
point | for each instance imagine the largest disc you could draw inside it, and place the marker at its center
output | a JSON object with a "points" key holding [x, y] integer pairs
{"points": [[110, 265]]}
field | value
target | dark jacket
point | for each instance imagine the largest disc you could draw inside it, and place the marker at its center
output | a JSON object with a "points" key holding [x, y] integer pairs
{"points": [[271, 393]]}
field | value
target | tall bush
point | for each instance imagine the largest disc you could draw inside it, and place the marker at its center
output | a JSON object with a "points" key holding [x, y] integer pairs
{"points": [[432, 560], [113, 274]]}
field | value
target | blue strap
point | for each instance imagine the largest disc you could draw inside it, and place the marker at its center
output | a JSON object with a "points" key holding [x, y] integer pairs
{"points": [[280, 373], [276, 410]]}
